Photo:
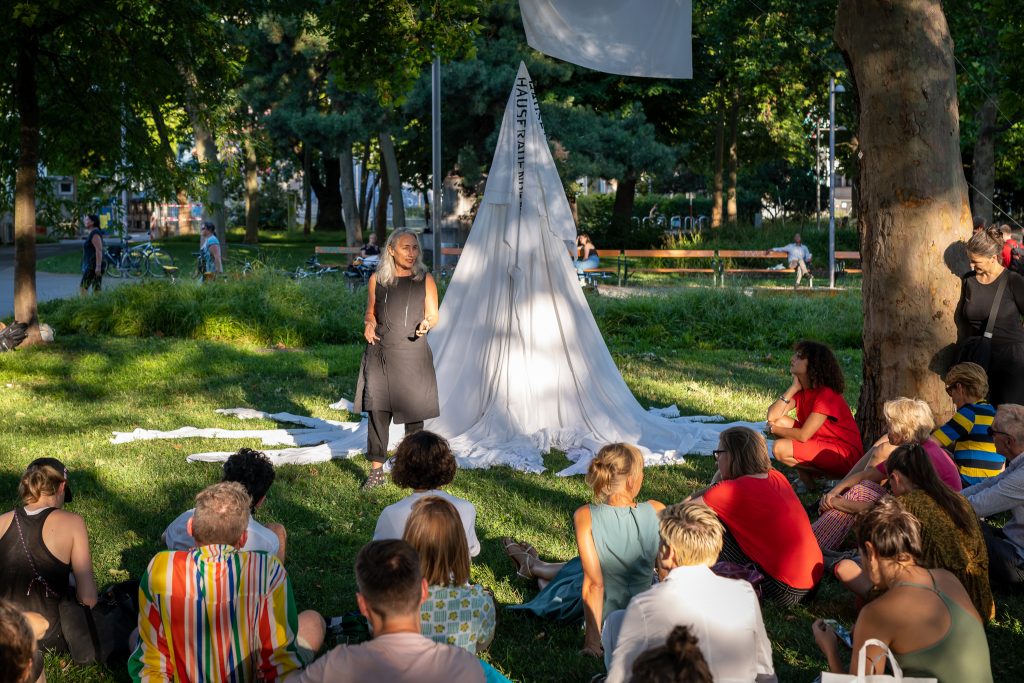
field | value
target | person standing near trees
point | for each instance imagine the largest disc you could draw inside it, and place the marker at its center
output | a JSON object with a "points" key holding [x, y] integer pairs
{"points": [[92, 256], [210, 251], [396, 375]]}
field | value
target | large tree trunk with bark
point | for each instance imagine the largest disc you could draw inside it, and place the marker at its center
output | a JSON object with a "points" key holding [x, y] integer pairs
{"points": [[252, 191], [734, 160], [913, 201], [622, 209], [349, 205], [983, 176], [394, 180], [717, 178], [380, 219], [27, 97], [328, 195]]}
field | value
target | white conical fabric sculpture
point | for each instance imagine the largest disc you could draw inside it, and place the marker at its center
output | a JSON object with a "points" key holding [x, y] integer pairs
{"points": [[521, 364]]}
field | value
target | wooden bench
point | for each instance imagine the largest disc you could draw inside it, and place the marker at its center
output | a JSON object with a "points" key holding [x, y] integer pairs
{"points": [[627, 254], [843, 256], [724, 254], [351, 252]]}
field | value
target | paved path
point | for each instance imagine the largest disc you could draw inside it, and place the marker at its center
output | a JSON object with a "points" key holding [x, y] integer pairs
{"points": [[48, 285]]}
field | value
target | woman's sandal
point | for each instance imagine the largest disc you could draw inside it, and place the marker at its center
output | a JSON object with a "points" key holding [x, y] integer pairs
{"points": [[521, 555], [377, 477]]}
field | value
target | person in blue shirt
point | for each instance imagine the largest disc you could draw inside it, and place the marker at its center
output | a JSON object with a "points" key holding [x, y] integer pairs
{"points": [[210, 252]]}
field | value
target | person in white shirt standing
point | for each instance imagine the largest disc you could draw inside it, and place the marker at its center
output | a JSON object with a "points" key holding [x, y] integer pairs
{"points": [[1004, 492], [724, 614], [799, 257]]}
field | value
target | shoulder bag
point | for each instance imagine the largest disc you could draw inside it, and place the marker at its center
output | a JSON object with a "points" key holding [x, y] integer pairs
{"points": [[859, 677], [979, 349]]}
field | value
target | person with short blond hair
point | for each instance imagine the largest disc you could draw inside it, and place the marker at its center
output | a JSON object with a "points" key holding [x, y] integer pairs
{"points": [[967, 433], [723, 613], [1004, 493], [216, 612], [456, 612]]}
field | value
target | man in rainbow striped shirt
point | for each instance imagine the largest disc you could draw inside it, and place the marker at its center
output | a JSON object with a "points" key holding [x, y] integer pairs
{"points": [[216, 613]]}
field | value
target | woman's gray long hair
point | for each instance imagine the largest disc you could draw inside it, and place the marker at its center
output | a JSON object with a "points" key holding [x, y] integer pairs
{"points": [[386, 269]]}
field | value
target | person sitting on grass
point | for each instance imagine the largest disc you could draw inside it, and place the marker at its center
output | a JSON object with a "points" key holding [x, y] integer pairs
{"points": [[391, 591], [679, 660], [217, 613], [823, 440], [951, 536], [618, 544], [253, 470], [722, 613], [44, 550], [765, 524], [456, 612], [1004, 493], [967, 432], [20, 661], [424, 462], [908, 421], [924, 616]]}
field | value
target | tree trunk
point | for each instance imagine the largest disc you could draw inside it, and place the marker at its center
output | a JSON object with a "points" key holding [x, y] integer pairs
{"points": [[716, 196], [184, 213], [209, 159], [307, 199], [27, 97], [622, 209], [380, 220], [252, 191], [394, 182], [734, 162], [366, 189], [328, 194], [913, 201], [349, 205], [983, 176]]}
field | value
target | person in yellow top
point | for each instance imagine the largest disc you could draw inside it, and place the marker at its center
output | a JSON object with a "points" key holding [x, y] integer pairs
{"points": [[968, 433]]}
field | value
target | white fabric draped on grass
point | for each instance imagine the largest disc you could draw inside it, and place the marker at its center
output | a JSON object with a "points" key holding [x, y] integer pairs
{"points": [[521, 365]]}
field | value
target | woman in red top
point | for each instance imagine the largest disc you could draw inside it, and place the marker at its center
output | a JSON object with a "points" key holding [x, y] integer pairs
{"points": [[764, 521], [823, 440]]}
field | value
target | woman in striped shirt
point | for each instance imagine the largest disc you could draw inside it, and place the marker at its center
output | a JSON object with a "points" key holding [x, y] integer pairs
{"points": [[967, 433]]}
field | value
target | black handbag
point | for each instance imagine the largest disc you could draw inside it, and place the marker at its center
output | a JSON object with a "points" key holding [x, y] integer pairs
{"points": [[979, 349], [100, 634]]}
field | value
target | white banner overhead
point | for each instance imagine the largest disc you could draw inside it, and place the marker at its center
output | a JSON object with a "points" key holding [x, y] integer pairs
{"points": [[650, 38]]}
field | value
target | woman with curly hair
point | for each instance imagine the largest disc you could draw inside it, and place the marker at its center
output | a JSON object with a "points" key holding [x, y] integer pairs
{"points": [[425, 463], [456, 612], [823, 439]]}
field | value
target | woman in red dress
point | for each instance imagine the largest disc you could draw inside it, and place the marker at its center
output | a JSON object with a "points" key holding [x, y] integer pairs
{"points": [[823, 440]]}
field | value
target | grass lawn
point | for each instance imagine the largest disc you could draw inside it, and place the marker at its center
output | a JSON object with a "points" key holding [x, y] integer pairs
{"points": [[707, 351]]}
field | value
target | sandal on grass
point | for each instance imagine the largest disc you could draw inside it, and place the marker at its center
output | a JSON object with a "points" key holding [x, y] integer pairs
{"points": [[520, 556], [377, 477]]}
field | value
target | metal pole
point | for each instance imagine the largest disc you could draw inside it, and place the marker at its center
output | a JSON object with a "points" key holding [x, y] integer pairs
{"points": [[817, 175], [435, 140], [832, 183]]}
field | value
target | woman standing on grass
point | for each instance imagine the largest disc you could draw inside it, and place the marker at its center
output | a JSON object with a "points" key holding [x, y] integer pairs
{"points": [[209, 252], [823, 439], [396, 375], [618, 543]]}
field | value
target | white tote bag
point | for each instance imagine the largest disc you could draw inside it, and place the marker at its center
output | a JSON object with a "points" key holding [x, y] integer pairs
{"points": [[897, 672]]}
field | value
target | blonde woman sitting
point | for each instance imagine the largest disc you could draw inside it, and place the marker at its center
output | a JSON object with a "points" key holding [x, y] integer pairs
{"points": [[456, 612], [618, 544]]}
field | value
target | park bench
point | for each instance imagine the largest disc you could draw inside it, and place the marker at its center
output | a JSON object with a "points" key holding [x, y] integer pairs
{"points": [[748, 254], [628, 256], [842, 257], [351, 252]]}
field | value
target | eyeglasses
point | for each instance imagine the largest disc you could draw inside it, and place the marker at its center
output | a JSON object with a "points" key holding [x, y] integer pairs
{"points": [[718, 452], [993, 432]]}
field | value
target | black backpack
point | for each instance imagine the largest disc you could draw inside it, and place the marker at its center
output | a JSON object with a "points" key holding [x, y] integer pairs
{"points": [[1017, 259]]}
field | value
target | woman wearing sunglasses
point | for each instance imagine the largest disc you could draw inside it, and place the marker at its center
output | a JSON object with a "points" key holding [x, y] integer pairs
{"points": [[967, 433]]}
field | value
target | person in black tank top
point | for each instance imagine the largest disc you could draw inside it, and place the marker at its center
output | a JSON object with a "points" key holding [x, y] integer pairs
{"points": [[32, 575], [396, 375]]}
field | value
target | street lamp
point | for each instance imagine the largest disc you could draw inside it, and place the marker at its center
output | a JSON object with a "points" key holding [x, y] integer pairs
{"points": [[833, 88]]}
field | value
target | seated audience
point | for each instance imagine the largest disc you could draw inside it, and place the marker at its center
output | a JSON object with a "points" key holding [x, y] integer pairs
{"points": [[679, 660], [254, 471], [424, 463], [765, 524], [391, 591], [18, 651], [44, 550], [723, 614], [217, 613], [923, 615], [823, 440], [618, 544], [967, 432], [456, 612], [1004, 493], [951, 537], [908, 421]]}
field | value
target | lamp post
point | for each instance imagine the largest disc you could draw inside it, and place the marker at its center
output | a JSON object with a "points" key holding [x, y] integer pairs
{"points": [[833, 88]]}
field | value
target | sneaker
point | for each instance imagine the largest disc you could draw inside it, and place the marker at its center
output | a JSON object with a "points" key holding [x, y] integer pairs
{"points": [[377, 477]]}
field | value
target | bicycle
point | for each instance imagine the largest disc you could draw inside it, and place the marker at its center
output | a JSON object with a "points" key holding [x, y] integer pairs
{"points": [[146, 259], [314, 269]]}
